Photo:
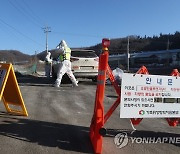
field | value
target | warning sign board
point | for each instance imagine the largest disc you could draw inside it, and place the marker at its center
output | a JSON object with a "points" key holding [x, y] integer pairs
{"points": [[149, 96], [10, 92]]}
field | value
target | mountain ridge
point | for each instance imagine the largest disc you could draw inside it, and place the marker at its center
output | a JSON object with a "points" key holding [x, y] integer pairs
{"points": [[117, 46]]}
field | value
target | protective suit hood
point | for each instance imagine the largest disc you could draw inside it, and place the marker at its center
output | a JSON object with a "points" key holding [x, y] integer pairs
{"points": [[62, 44]]}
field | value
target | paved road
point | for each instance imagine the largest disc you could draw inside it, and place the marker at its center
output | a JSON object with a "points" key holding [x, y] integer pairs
{"points": [[59, 120]]}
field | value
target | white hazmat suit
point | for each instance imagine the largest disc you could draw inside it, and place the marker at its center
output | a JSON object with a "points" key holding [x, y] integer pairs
{"points": [[65, 66], [48, 65]]}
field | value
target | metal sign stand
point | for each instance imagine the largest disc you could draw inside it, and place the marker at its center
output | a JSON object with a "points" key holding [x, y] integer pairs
{"points": [[99, 117], [10, 92]]}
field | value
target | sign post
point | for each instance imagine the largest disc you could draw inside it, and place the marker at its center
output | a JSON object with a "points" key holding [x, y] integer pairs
{"points": [[10, 92], [99, 116]]}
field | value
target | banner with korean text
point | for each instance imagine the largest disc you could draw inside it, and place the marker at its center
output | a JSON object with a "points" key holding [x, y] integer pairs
{"points": [[149, 96]]}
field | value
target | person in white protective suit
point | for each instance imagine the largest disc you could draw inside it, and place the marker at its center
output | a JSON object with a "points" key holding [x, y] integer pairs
{"points": [[65, 67], [48, 65]]}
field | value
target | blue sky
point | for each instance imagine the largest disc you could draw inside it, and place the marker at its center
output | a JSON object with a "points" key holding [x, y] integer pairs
{"points": [[82, 23]]}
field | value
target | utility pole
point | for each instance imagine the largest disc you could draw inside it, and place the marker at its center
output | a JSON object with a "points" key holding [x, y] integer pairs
{"points": [[169, 55], [47, 30], [167, 43], [128, 55]]}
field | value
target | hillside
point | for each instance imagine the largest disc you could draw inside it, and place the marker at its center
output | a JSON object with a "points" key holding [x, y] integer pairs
{"points": [[137, 43], [118, 45], [14, 56]]}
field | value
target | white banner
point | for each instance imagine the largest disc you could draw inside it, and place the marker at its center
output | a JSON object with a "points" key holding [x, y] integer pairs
{"points": [[149, 96]]}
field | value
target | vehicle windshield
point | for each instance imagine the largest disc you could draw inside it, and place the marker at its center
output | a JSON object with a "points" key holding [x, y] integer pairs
{"points": [[83, 54]]}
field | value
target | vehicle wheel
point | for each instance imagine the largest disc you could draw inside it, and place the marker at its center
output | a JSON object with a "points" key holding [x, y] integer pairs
{"points": [[94, 79]]}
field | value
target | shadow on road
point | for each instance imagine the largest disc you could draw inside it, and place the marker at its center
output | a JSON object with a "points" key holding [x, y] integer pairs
{"points": [[28, 79], [63, 136], [150, 136], [33, 80]]}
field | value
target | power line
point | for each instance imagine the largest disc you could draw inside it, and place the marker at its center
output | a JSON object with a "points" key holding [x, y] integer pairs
{"points": [[24, 12], [47, 30], [78, 34], [20, 32], [13, 34], [33, 14]]}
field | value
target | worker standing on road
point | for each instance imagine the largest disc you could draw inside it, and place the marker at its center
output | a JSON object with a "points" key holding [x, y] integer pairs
{"points": [[48, 65], [65, 67]]}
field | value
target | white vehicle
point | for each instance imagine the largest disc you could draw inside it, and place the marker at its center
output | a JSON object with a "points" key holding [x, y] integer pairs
{"points": [[84, 64]]}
